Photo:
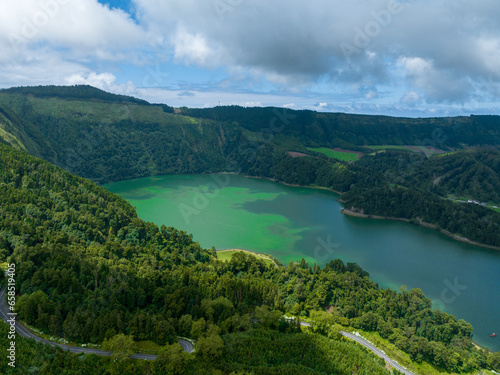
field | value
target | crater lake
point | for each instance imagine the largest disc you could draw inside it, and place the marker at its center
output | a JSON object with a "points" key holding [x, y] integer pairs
{"points": [[291, 223]]}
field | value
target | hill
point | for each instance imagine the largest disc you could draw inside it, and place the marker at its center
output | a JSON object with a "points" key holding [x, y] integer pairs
{"points": [[105, 138], [88, 269]]}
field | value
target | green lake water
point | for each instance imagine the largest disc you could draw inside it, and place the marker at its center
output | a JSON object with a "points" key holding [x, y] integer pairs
{"points": [[290, 223]]}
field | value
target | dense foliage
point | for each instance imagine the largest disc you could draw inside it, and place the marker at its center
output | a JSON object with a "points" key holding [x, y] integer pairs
{"points": [[88, 270], [80, 92], [106, 137], [347, 130], [242, 354]]}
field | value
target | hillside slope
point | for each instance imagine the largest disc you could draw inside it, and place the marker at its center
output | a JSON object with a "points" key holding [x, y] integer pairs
{"points": [[87, 269], [106, 137]]}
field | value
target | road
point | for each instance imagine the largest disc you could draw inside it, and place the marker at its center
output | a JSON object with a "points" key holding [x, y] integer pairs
{"points": [[186, 345], [369, 346], [24, 332], [378, 352]]}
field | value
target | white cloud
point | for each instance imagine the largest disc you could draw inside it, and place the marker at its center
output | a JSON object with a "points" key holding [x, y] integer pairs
{"points": [[297, 44], [193, 49], [103, 81], [438, 85], [411, 99], [426, 52], [84, 28]]}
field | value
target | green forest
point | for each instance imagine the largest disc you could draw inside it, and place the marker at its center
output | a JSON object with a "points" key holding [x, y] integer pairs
{"points": [[90, 271], [105, 137]]}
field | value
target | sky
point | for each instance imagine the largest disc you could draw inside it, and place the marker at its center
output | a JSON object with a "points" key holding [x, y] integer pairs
{"points": [[416, 58]]}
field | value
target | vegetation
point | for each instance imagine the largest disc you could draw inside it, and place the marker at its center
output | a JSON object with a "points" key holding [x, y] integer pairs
{"points": [[90, 271], [340, 155], [80, 92], [105, 137], [227, 255]]}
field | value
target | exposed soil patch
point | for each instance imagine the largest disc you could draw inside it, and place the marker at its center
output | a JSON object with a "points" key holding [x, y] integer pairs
{"points": [[427, 150], [295, 154]]}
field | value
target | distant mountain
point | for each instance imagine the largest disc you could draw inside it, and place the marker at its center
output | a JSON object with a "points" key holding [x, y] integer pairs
{"points": [[89, 270], [78, 92], [107, 137]]}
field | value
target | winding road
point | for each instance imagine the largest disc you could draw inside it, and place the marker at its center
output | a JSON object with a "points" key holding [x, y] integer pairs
{"points": [[24, 332], [186, 345], [369, 346], [378, 352]]}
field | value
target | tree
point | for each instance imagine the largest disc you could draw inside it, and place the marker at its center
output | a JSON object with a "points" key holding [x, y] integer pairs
{"points": [[121, 345], [172, 360], [198, 328], [185, 324], [268, 319], [210, 347]]}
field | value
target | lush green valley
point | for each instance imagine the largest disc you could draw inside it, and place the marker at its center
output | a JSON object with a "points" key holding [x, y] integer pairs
{"points": [[106, 137], [88, 269]]}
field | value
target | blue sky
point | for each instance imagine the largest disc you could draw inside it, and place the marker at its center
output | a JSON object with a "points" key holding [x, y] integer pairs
{"points": [[406, 58]]}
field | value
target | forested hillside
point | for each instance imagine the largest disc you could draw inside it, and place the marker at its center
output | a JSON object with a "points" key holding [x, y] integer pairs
{"points": [[106, 137], [347, 130], [87, 269]]}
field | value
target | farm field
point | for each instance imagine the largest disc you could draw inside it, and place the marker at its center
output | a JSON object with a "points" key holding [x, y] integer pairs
{"points": [[344, 155]]}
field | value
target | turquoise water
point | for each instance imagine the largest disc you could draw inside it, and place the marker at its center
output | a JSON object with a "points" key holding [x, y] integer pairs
{"points": [[290, 223]]}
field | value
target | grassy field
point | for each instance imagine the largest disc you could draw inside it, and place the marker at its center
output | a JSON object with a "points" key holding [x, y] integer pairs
{"points": [[226, 255], [344, 156], [388, 147]]}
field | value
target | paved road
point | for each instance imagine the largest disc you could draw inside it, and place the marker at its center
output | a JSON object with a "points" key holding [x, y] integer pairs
{"points": [[24, 332], [379, 353], [186, 345], [369, 346]]}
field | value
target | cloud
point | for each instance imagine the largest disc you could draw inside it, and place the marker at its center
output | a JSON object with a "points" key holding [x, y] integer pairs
{"points": [[438, 85], [415, 53], [290, 43], [410, 99], [186, 93], [193, 49], [83, 28], [103, 81]]}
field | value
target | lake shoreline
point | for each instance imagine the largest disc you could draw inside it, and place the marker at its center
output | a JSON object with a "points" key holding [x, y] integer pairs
{"points": [[345, 211], [420, 224], [293, 185]]}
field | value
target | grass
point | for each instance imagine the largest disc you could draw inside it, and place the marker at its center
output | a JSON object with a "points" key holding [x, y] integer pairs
{"points": [[146, 347], [413, 148], [344, 156], [226, 255], [389, 147], [11, 139], [464, 200], [423, 368], [448, 153], [106, 113]]}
